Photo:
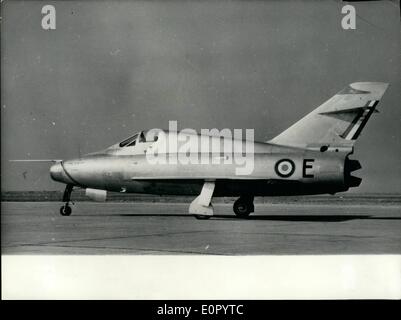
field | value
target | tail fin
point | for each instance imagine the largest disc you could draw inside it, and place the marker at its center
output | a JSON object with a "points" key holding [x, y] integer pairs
{"points": [[337, 122]]}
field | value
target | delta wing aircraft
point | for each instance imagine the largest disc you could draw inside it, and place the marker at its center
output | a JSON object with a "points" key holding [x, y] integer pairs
{"points": [[310, 157]]}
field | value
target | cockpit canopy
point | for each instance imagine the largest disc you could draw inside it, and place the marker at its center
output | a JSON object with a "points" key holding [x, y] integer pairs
{"points": [[140, 137]]}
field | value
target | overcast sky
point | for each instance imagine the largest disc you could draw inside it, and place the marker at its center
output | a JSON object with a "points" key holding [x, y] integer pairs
{"points": [[113, 68]]}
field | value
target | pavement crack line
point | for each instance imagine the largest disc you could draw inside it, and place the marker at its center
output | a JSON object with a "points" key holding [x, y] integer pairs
{"points": [[132, 249], [110, 238]]}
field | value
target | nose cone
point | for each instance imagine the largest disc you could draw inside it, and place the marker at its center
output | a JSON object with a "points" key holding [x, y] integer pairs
{"points": [[56, 172]]}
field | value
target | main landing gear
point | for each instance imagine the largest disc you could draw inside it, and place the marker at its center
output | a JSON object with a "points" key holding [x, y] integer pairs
{"points": [[66, 210], [244, 206], [202, 207]]}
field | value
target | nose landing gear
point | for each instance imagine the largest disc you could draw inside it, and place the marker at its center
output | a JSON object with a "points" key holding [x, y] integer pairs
{"points": [[244, 206], [66, 210]]}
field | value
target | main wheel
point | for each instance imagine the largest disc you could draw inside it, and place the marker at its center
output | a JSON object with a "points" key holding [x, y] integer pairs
{"points": [[65, 210], [202, 217], [242, 209]]}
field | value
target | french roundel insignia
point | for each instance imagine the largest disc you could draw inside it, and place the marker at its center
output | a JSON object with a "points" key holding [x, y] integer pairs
{"points": [[285, 168]]}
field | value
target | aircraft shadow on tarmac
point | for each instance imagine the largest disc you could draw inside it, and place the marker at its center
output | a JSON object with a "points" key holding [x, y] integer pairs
{"points": [[299, 218]]}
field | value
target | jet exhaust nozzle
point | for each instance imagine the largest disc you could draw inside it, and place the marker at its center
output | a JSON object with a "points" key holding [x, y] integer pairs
{"points": [[353, 181], [351, 166]]}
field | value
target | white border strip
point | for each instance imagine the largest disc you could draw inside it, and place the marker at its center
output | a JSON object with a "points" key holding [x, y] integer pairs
{"points": [[198, 277]]}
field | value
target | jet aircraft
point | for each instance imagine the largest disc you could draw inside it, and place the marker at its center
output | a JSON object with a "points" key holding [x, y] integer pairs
{"points": [[310, 157]]}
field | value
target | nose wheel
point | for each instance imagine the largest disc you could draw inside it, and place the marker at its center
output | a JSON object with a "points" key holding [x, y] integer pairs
{"points": [[66, 210]]}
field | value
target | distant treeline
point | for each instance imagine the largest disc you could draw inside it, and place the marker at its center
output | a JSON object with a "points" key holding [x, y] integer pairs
{"points": [[79, 195]]}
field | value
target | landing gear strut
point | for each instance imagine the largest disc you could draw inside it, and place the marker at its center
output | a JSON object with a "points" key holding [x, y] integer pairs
{"points": [[244, 206], [66, 210], [202, 207]]}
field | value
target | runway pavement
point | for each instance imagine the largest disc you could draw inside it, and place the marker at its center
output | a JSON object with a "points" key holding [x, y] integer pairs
{"points": [[166, 228]]}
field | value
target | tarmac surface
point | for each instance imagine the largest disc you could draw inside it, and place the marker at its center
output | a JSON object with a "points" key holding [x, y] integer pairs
{"points": [[166, 228]]}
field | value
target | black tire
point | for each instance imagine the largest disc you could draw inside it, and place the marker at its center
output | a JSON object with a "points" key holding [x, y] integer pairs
{"points": [[243, 209], [202, 217], [65, 210]]}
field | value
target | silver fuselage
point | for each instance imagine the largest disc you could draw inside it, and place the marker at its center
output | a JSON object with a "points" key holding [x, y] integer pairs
{"points": [[129, 170]]}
